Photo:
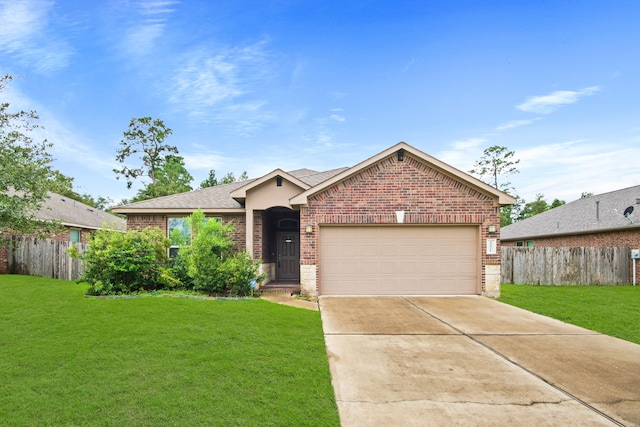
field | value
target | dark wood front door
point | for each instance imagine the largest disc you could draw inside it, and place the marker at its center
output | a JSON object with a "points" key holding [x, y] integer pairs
{"points": [[288, 267]]}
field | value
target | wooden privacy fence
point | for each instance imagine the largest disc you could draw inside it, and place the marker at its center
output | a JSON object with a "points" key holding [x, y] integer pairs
{"points": [[45, 258], [565, 265]]}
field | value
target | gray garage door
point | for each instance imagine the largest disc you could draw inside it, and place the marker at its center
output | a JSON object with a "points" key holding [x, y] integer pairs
{"points": [[399, 260]]}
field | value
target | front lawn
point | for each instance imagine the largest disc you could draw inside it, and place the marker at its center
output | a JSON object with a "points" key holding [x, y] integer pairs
{"points": [[70, 360], [611, 310]]}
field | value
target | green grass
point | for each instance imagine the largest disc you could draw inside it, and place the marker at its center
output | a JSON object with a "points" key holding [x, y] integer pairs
{"points": [[611, 310], [69, 360]]}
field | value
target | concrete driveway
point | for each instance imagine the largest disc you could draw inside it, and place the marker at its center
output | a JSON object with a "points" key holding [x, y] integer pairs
{"points": [[444, 361]]}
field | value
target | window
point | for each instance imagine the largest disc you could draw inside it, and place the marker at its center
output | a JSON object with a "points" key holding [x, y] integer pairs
{"points": [[179, 233], [177, 227], [74, 236], [528, 244]]}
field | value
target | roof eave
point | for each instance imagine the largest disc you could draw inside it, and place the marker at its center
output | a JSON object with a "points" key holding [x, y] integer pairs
{"points": [[143, 211], [571, 233], [241, 193], [502, 198]]}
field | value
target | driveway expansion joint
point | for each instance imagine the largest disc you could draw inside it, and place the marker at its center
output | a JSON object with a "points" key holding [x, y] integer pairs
{"points": [[509, 360], [384, 358]]}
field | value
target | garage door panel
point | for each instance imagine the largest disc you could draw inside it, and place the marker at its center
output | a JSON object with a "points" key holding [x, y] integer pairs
{"points": [[397, 260]]}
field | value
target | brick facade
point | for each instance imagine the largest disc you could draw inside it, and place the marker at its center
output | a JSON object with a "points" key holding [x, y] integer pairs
{"points": [[238, 235], [374, 195]]}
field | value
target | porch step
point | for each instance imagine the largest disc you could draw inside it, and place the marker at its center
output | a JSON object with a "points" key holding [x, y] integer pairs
{"points": [[283, 287]]}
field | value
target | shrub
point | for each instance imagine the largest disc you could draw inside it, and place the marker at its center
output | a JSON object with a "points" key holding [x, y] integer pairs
{"points": [[117, 263], [237, 272], [211, 264]]}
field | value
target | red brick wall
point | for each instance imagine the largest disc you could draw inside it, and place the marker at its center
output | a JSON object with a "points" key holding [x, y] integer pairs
{"points": [[4, 261], [160, 220], [239, 234], [135, 222], [372, 197], [627, 238]]}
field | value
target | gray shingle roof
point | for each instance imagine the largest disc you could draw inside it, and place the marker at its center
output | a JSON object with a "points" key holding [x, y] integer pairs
{"points": [[72, 212], [314, 178], [600, 212], [219, 196]]}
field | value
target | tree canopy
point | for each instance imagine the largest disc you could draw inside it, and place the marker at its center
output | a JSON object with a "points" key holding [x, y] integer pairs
{"points": [[26, 174], [171, 178], [212, 181], [497, 161], [538, 206], [144, 139]]}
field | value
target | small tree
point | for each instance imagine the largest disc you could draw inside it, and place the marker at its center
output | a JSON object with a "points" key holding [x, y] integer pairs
{"points": [[211, 264], [144, 139], [496, 161]]}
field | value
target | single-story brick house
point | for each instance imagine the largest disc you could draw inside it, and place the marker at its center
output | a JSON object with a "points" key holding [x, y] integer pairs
{"points": [[595, 221], [400, 222], [77, 219]]}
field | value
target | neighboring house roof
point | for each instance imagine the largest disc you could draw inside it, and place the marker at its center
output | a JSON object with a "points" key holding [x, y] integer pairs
{"points": [[220, 197], [76, 214], [598, 213]]}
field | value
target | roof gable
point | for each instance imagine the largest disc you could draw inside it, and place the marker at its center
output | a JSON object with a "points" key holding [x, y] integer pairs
{"points": [[241, 193], [601, 212], [502, 198]]}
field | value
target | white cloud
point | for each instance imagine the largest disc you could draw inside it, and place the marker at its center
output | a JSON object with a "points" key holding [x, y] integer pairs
{"points": [[26, 36], [210, 80], [157, 7], [516, 123], [549, 103], [203, 160], [141, 36], [566, 170], [205, 81], [224, 86], [468, 143]]}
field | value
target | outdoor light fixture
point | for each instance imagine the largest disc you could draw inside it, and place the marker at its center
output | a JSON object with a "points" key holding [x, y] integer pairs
{"points": [[492, 228], [400, 155], [279, 181], [309, 229]]}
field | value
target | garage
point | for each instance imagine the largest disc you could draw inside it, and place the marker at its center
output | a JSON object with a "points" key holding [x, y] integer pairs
{"points": [[399, 260]]}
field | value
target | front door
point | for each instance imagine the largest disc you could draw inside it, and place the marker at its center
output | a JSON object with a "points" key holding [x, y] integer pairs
{"points": [[288, 266]]}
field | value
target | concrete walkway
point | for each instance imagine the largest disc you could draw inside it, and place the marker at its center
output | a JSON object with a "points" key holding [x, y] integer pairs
{"points": [[465, 361]]}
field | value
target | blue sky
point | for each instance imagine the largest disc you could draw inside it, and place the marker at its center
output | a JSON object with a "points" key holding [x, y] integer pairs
{"points": [[259, 85]]}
